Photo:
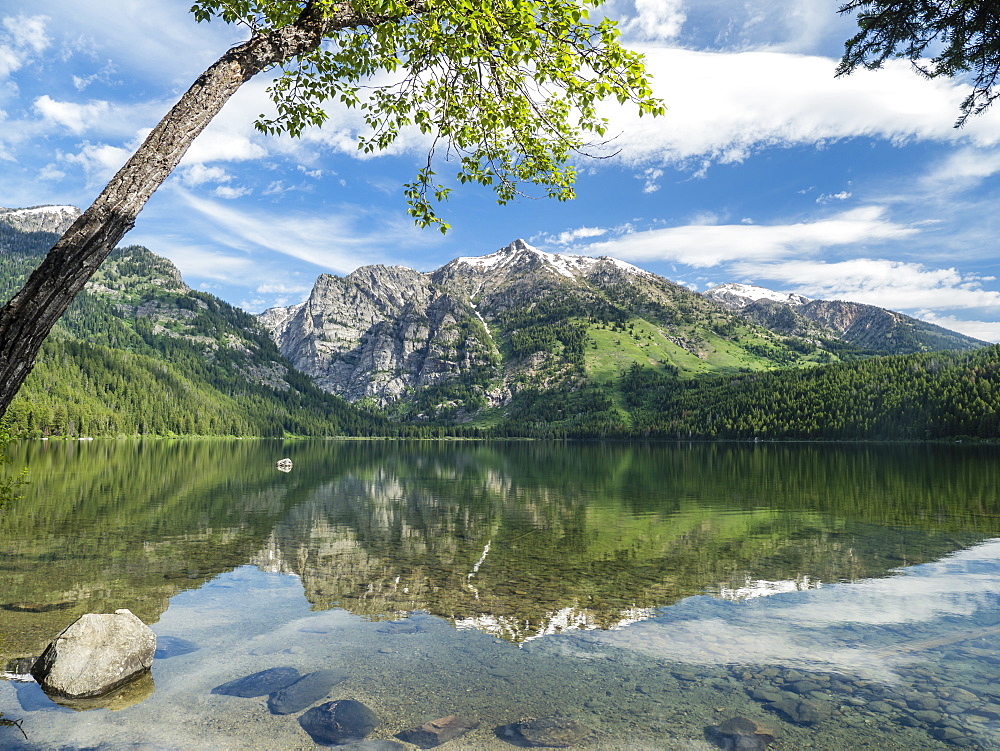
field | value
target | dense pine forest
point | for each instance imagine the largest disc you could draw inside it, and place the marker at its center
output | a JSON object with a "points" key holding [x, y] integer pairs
{"points": [[928, 396]]}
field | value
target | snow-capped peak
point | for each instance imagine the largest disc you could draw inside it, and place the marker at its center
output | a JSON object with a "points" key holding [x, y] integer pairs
{"points": [[68, 210], [564, 264], [740, 295], [40, 218]]}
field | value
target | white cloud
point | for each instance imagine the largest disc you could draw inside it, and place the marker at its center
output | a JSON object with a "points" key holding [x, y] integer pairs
{"points": [[571, 236], [828, 197], [651, 175], [963, 169], [216, 146], [889, 284], [23, 38], [282, 289], [104, 74], [51, 172], [229, 192], [28, 32], [704, 245], [199, 174], [74, 117], [99, 161], [654, 20], [724, 106]]}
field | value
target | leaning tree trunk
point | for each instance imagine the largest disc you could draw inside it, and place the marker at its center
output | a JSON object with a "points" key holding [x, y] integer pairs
{"points": [[26, 320]]}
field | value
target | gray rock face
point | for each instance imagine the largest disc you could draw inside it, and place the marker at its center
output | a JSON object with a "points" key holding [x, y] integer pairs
{"points": [[378, 332], [55, 219], [385, 332], [96, 654]]}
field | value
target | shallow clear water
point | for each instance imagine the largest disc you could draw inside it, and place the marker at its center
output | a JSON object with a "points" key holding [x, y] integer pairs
{"points": [[844, 596]]}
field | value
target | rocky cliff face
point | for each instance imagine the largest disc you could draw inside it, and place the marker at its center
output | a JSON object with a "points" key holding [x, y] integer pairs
{"points": [[380, 332], [388, 332]]}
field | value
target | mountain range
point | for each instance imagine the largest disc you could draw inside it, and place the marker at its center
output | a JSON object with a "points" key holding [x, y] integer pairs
{"points": [[473, 333], [516, 342]]}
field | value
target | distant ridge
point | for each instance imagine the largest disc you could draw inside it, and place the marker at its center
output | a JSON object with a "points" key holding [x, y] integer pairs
{"points": [[868, 327]]}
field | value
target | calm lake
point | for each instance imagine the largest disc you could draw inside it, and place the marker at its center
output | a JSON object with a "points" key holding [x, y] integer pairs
{"points": [[844, 596]]}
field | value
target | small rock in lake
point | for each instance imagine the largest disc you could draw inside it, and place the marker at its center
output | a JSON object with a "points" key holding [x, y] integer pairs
{"points": [[309, 689], [740, 734], [259, 684], [544, 732], [440, 731], [284, 465], [173, 646], [339, 722]]}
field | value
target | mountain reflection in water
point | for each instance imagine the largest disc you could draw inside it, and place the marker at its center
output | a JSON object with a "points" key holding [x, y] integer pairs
{"points": [[641, 589], [517, 539]]}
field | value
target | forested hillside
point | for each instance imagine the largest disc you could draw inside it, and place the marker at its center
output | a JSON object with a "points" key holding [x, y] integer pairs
{"points": [[928, 396], [139, 353]]}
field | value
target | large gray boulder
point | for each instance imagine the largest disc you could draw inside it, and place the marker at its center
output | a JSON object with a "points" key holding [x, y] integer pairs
{"points": [[96, 654]]}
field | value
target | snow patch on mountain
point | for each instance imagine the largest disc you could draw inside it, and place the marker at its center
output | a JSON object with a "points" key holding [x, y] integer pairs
{"points": [[564, 264], [735, 295], [55, 219]]}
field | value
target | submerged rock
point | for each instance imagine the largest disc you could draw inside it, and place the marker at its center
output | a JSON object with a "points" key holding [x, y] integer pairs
{"points": [[259, 684], [805, 712], [96, 654], [307, 690], [544, 732], [173, 646], [339, 722], [405, 626], [127, 695], [740, 734], [436, 732]]}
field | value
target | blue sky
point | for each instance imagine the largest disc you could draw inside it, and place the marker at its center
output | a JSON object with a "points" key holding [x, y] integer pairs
{"points": [[766, 169]]}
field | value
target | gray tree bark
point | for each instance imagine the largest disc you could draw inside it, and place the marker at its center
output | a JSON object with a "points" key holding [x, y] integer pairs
{"points": [[28, 317]]}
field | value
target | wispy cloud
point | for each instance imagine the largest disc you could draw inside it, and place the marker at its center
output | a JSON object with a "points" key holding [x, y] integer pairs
{"points": [[654, 20], [706, 245], [571, 236], [334, 242], [22, 38]]}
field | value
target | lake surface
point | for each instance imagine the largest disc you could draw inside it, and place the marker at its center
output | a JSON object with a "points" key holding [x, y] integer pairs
{"points": [[844, 596]]}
